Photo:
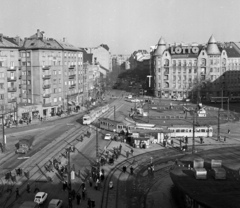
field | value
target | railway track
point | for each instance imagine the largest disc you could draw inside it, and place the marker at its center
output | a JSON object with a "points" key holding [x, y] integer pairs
{"points": [[126, 184], [56, 148]]}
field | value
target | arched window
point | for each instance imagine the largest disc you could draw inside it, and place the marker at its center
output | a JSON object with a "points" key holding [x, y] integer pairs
{"points": [[166, 62], [223, 61], [203, 62], [166, 85]]}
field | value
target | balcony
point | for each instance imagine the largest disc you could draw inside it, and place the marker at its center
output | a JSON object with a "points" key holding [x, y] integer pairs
{"points": [[46, 67], [12, 79], [12, 89], [47, 95], [47, 76], [72, 76], [72, 86], [71, 67], [46, 86], [12, 68], [11, 100]]}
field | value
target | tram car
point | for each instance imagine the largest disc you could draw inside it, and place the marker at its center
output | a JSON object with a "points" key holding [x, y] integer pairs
{"points": [[183, 131], [94, 114], [111, 125]]}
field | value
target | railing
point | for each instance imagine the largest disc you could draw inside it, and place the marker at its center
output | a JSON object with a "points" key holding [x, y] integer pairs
{"points": [[47, 86], [47, 95], [72, 76], [12, 68], [12, 89], [71, 67], [45, 67], [46, 76], [73, 85]]}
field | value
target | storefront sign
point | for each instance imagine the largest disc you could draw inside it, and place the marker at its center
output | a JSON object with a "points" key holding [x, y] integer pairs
{"points": [[184, 50]]}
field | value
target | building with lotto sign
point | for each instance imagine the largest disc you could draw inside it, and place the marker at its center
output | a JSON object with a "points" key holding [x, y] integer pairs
{"points": [[214, 68]]}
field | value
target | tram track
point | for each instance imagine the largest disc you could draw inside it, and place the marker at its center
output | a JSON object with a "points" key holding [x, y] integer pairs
{"points": [[117, 197], [41, 160]]}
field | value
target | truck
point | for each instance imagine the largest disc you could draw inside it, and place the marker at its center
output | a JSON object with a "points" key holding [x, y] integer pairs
{"points": [[29, 204]]}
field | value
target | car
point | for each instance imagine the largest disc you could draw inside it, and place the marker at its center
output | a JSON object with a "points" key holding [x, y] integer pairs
{"points": [[55, 203], [40, 197], [108, 137], [22, 151], [135, 101], [129, 96]]}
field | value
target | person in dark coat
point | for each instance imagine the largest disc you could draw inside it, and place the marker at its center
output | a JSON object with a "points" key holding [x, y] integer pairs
{"points": [[17, 193], [73, 194], [131, 170], [28, 188], [83, 193], [90, 181], [78, 197], [89, 203]]}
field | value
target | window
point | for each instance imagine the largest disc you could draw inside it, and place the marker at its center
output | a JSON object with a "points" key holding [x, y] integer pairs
{"points": [[23, 54], [54, 90], [1, 85], [65, 63], [195, 71], [1, 96], [12, 64], [54, 72], [60, 99], [65, 82], [29, 82], [54, 100], [28, 54], [28, 63], [43, 63], [23, 63], [60, 81], [59, 72], [60, 89], [211, 69], [11, 53], [43, 53], [59, 63]]}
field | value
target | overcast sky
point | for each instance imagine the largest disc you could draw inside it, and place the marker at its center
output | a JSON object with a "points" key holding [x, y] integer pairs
{"points": [[124, 25]]}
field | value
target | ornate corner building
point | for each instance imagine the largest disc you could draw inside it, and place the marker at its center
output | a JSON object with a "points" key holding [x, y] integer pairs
{"points": [[212, 68]]}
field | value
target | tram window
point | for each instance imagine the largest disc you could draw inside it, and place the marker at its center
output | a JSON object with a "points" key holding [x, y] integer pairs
{"points": [[186, 130], [182, 130], [190, 130], [177, 130], [202, 130]]}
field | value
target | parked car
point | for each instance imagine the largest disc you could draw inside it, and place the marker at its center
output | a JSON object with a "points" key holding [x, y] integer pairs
{"points": [[55, 203], [108, 137], [22, 150], [40, 197], [29, 204]]}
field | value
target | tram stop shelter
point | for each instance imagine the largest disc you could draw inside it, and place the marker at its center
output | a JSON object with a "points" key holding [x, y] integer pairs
{"points": [[141, 138]]}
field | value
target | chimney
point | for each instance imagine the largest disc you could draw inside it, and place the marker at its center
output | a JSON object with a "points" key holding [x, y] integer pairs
{"points": [[65, 40], [38, 33], [1, 37], [17, 38]]}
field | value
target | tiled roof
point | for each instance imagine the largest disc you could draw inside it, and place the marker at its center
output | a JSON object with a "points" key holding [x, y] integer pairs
{"points": [[67, 46], [8, 43], [34, 43], [231, 51]]}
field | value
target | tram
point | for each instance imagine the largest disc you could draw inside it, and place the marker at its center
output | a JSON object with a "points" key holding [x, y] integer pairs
{"points": [[94, 114], [183, 131]]}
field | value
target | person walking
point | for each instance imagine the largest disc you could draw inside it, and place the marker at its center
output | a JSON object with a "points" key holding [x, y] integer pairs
{"points": [[28, 188], [127, 154], [73, 194], [89, 203], [78, 198], [90, 181], [83, 193], [132, 152], [131, 170], [120, 148], [17, 193]]}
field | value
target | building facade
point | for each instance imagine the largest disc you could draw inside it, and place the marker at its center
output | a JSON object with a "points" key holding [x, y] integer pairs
{"points": [[179, 69], [51, 74], [9, 76]]}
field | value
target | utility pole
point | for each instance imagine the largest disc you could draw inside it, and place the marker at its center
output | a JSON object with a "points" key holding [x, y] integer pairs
{"points": [[3, 133], [148, 109], [193, 144], [114, 113], [218, 135], [16, 113], [97, 145], [222, 99], [67, 105], [228, 110], [69, 180]]}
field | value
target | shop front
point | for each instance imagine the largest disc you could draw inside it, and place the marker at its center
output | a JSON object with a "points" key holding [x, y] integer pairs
{"points": [[31, 112]]}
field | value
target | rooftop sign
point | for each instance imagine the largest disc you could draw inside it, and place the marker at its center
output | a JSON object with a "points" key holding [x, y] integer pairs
{"points": [[184, 50]]}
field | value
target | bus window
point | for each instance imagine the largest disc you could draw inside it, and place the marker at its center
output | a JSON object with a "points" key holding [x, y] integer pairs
{"points": [[182, 130], [190, 130], [177, 130], [202, 130]]}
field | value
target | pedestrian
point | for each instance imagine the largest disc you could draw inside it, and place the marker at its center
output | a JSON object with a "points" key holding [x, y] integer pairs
{"points": [[132, 152], [186, 140], [127, 154], [120, 148], [93, 203], [64, 185], [83, 193], [228, 131], [73, 194], [41, 119], [17, 193], [83, 185], [89, 203], [180, 143], [28, 188], [131, 170], [225, 139], [90, 181], [124, 169], [102, 177], [78, 198]]}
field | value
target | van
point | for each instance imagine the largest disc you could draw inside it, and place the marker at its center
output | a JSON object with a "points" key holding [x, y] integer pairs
{"points": [[29, 204]]}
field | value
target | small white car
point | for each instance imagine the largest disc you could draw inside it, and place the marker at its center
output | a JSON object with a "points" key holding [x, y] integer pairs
{"points": [[55, 203], [108, 137], [40, 197], [129, 96]]}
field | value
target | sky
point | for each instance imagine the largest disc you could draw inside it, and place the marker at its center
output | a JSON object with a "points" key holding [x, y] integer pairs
{"points": [[124, 25]]}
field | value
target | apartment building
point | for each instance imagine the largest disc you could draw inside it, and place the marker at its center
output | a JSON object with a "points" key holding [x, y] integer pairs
{"points": [[178, 68], [51, 74], [9, 75]]}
